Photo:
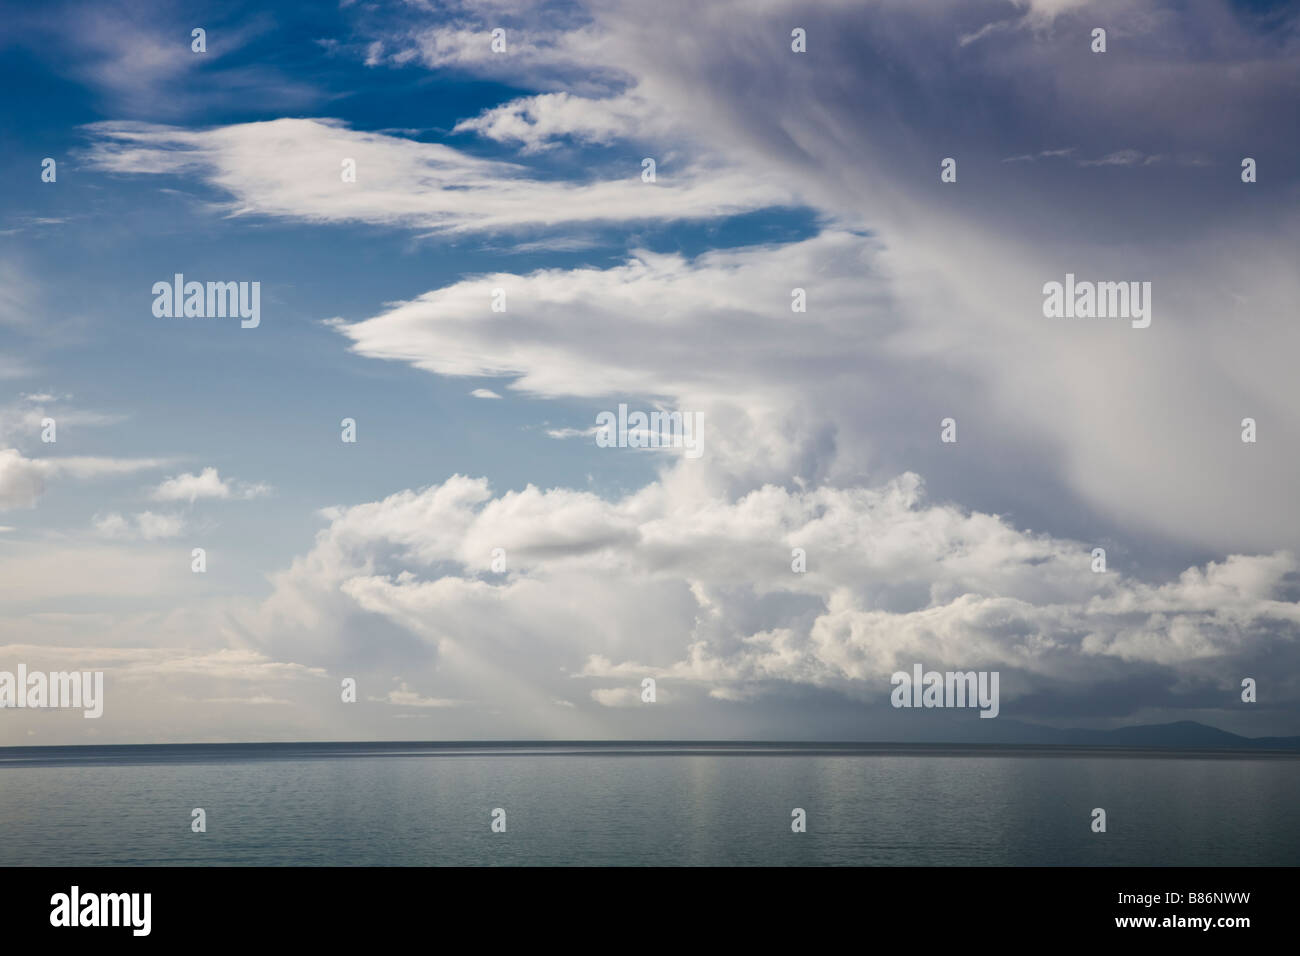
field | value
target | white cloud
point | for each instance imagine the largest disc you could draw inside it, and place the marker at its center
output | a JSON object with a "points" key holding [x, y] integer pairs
{"points": [[545, 47], [144, 65], [132, 663], [817, 422], [403, 696], [207, 484], [111, 525], [616, 696], [154, 526], [695, 589], [170, 693], [484, 393], [1121, 157], [190, 487], [401, 182], [146, 525], [22, 480], [537, 122], [888, 347], [225, 663], [23, 420]]}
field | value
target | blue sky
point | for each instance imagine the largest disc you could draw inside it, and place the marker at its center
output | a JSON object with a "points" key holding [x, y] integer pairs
{"points": [[522, 170]]}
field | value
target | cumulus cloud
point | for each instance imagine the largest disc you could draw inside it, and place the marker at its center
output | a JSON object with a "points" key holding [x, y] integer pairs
{"points": [[153, 525], [700, 592], [207, 484], [537, 122]]}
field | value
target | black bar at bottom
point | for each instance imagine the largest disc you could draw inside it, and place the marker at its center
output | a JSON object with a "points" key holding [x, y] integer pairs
{"points": [[652, 906]]}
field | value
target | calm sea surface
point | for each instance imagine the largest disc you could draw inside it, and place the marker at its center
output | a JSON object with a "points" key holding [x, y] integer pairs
{"points": [[662, 804]]}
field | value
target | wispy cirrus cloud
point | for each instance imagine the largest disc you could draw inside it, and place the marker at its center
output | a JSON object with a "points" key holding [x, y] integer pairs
{"points": [[22, 421], [22, 479], [409, 184], [138, 57]]}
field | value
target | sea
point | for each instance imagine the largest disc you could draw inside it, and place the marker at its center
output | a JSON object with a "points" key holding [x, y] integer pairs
{"points": [[644, 804]]}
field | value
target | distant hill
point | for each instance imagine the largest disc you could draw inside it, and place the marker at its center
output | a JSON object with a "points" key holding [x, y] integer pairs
{"points": [[1184, 734]]}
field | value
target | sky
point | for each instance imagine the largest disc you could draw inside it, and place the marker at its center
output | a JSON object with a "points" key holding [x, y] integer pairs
{"points": [[501, 269]]}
